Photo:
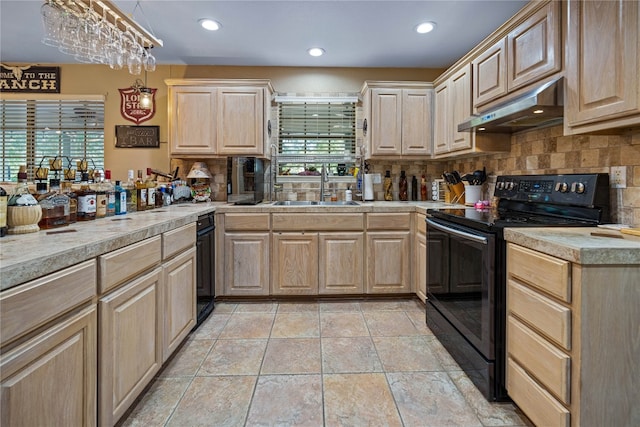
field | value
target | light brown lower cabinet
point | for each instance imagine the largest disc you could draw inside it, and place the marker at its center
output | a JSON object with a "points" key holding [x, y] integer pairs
{"points": [[130, 345], [419, 269], [388, 260], [295, 264], [246, 263], [340, 261], [51, 378], [179, 300], [573, 354]]}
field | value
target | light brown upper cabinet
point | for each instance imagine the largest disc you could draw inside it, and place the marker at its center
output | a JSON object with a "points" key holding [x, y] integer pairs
{"points": [[452, 107], [526, 54], [603, 59], [219, 117], [398, 118]]}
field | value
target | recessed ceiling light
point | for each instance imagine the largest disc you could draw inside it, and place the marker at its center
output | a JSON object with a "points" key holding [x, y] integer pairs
{"points": [[538, 111], [210, 24], [425, 27], [481, 128], [316, 51]]}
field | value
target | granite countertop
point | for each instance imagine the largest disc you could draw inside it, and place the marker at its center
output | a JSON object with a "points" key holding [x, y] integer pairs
{"points": [[579, 245], [24, 257], [378, 206]]}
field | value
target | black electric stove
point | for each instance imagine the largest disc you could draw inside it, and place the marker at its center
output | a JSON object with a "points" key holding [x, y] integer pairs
{"points": [[466, 263], [572, 200]]}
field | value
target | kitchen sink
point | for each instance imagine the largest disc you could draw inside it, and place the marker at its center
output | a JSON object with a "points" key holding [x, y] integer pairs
{"points": [[314, 203]]}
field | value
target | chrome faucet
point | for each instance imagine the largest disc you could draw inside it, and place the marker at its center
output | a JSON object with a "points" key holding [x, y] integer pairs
{"points": [[324, 178]]}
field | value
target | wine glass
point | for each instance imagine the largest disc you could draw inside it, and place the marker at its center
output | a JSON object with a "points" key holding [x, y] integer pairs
{"points": [[114, 50], [149, 60], [51, 15]]}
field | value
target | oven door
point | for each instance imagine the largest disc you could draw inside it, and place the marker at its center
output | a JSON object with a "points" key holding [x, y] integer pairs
{"points": [[461, 281]]}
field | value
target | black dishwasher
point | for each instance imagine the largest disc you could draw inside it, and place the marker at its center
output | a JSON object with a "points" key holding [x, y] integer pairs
{"points": [[205, 289]]}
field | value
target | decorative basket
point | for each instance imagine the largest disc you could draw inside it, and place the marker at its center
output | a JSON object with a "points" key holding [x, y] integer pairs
{"points": [[23, 219]]}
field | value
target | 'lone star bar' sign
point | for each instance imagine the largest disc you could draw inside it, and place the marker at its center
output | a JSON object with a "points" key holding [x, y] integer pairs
{"points": [[29, 79], [130, 107]]}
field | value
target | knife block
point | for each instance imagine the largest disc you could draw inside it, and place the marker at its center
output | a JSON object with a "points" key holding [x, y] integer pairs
{"points": [[458, 193]]}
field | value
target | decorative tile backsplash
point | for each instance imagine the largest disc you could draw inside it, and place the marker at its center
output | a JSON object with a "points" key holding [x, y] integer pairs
{"points": [[548, 151], [532, 152]]}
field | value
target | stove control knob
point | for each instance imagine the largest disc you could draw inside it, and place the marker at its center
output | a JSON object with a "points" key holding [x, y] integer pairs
{"points": [[510, 185], [577, 187], [562, 187], [500, 185]]}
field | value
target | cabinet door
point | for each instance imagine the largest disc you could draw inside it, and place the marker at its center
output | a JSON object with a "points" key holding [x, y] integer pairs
{"points": [[388, 262], [490, 74], [386, 122], [241, 121], [340, 262], [603, 59], [246, 263], [535, 47], [179, 300], [441, 123], [51, 379], [420, 266], [416, 121], [192, 123], [460, 108], [295, 264], [130, 343]]}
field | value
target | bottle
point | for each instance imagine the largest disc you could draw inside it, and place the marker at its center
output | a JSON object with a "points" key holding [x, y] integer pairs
{"points": [[101, 195], [141, 193], [387, 185], [359, 179], [423, 188], [121, 199], [151, 190], [86, 200], [55, 207], [130, 189], [111, 193], [403, 195], [414, 188], [67, 190], [3, 212], [348, 195]]}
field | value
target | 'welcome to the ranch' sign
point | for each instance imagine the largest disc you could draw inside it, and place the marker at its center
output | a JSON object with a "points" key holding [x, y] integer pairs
{"points": [[29, 79]]}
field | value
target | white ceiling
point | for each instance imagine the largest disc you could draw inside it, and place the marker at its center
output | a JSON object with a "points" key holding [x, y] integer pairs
{"points": [[354, 33]]}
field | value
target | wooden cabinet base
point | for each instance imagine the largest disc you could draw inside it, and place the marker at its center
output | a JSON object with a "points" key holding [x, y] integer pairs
{"points": [[51, 379]]}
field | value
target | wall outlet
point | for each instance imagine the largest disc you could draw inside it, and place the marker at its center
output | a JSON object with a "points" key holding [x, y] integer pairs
{"points": [[618, 178]]}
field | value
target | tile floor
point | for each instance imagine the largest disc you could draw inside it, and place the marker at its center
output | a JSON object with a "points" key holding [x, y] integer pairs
{"points": [[368, 363]]}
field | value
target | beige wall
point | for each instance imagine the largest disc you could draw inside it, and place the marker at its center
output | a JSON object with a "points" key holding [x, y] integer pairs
{"points": [[100, 79]]}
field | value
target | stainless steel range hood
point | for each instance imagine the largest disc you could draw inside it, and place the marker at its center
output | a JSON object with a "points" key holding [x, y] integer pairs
{"points": [[540, 107]]}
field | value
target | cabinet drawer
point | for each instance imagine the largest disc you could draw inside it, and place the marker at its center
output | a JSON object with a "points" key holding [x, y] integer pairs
{"points": [[28, 306], [246, 222], [548, 364], [544, 314], [388, 221], [176, 241], [119, 266], [318, 222], [534, 401], [545, 272]]}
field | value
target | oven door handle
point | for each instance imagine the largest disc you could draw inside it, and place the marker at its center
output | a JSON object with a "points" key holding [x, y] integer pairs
{"points": [[464, 235]]}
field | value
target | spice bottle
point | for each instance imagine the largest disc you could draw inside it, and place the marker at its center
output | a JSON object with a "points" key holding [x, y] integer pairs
{"points": [[414, 188], [387, 185], [403, 187]]}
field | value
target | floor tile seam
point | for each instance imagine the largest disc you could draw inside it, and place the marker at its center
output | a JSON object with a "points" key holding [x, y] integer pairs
{"points": [[467, 400], [395, 401], [215, 342], [173, 411]]}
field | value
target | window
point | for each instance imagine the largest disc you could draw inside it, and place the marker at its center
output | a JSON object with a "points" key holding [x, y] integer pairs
{"points": [[33, 129], [313, 133]]}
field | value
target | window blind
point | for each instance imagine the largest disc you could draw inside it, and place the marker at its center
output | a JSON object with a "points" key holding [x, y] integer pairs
{"points": [[311, 131], [32, 129]]}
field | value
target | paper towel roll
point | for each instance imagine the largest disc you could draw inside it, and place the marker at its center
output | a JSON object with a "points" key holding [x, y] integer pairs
{"points": [[368, 187]]}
